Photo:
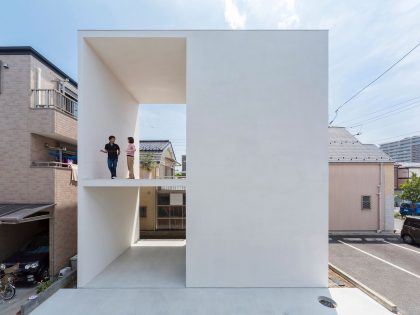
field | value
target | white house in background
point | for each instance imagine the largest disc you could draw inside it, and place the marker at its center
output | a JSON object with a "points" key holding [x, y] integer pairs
{"points": [[246, 92]]}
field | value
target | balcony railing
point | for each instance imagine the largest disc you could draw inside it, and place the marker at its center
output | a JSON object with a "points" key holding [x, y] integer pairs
{"points": [[51, 164], [54, 99]]}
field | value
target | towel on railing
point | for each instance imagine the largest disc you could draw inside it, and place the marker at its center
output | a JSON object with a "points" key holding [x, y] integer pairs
{"points": [[73, 176]]}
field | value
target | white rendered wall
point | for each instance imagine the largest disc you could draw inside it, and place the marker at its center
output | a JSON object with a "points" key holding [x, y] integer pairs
{"points": [[257, 188], [107, 221], [257, 139]]}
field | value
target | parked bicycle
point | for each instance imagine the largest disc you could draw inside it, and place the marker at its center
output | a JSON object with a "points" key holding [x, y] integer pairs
{"points": [[7, 282]]}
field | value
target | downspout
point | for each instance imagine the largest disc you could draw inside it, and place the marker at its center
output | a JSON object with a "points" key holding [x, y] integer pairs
{"points": [[380, 197]]}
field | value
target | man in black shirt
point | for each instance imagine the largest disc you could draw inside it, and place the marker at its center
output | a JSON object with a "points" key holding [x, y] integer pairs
{"points": [[113, 151]]}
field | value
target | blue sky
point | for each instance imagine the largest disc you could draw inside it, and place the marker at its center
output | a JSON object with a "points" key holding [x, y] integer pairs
{"points": [[365, 38]]}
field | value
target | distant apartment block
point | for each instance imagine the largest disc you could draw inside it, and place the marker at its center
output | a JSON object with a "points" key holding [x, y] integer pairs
{"points": [[405, 150], [38, 125]]}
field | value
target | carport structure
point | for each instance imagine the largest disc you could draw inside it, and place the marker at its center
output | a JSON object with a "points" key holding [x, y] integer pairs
{"points": [[23, 213], [19, 222], [257, 97]]}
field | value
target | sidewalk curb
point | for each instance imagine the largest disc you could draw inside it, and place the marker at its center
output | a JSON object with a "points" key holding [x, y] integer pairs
{"points": [[374, 295], [350, 234]]}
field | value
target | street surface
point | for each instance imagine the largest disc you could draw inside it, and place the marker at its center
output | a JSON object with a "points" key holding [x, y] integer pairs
{"points": [[383, 263], [13, 306]]}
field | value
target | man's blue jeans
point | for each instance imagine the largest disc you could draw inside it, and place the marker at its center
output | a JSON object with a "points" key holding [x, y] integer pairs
{"points": [[112, 165]]}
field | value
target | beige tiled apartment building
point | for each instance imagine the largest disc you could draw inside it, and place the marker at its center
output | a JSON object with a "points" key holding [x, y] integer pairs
{"points": [[38, 125]]}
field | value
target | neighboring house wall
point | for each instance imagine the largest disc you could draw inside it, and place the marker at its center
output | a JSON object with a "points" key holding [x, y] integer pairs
{"points": [[148, 195], [148, 200], [15, 144], [25, 131], [348, 183], [65, 220], [403, 173]]}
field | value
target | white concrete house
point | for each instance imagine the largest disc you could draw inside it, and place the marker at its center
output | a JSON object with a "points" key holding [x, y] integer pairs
{"points": [[251, 89]]}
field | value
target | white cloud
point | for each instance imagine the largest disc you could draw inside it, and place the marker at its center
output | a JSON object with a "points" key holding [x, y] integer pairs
{"points": [[262, 14], [289, 21], [235, 19]]}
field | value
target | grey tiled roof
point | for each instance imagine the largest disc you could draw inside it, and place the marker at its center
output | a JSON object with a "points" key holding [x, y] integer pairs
{"points": [[154, 145], [344, 147]]}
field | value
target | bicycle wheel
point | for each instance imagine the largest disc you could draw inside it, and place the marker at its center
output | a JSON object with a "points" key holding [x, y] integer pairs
{"points": [[8, 292]]}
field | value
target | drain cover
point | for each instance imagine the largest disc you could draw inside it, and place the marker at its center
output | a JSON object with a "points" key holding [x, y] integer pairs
{"points": [[326, 301]]}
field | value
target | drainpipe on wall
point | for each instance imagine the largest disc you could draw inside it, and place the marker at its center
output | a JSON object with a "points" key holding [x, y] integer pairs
{"points": [[380, 197]]}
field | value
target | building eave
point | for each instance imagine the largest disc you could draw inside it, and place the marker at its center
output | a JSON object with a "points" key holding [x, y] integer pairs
{"points": [[28, 50]]}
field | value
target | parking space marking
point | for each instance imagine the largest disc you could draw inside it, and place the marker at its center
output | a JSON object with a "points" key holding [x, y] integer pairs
{"points": [[403, 247], [382, 260], [375, 239]]}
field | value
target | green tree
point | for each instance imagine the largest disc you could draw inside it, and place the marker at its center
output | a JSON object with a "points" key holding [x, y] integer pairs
{"points": [[147, 162], [411, 190]]}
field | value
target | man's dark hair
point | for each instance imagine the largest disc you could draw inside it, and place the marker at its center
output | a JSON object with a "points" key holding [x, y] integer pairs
{"points": [[111, 137], [130, 140]]}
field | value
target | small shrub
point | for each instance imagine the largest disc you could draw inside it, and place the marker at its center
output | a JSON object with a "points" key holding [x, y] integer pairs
{"points": [[42, 286]]}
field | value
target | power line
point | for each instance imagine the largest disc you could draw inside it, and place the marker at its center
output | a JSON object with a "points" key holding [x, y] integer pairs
{"points": [[381, 110], [384, 115], [369, 84], [401, 135]]}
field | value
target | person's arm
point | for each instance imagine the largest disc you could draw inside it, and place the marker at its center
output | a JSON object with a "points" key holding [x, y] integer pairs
{"points": [[118, 150], [104, 150]]}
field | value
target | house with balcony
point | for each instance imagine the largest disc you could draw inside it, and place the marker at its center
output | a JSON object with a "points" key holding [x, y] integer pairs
{"points": [[38, 124], [162, 208]]}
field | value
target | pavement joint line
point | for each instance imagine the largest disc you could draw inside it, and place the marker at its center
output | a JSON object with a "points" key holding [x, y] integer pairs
{"points": [[368, 291], [403, 247], [382, 260]]}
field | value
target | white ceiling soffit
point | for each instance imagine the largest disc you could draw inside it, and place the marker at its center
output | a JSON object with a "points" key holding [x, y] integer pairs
{"points": [[152, 69]]}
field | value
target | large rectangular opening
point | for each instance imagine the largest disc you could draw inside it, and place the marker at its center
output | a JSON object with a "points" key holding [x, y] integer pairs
{"points": [[162, 151]]}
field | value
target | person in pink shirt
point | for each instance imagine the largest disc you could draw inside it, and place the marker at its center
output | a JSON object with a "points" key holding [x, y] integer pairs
{"points": [[131, 148]]}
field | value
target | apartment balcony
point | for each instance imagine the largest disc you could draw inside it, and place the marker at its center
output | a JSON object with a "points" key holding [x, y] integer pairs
{"points": [[53, 99], [53, 115]]}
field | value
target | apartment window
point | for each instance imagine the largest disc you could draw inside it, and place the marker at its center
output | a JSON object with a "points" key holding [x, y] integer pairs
{"points": [[163, 199], [365, 202], [143, 212]]}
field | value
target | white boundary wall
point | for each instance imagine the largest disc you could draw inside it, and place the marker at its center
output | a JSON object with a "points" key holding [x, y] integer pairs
{"points": [[257, 187]]}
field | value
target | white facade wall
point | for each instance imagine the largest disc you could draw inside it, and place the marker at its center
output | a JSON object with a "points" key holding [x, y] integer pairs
{"points": [[257, 99], [254, 98]]}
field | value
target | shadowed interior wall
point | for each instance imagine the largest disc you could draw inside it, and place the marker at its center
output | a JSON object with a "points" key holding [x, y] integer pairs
{"points": [[105, 216], [106, 109], [106, 228]]}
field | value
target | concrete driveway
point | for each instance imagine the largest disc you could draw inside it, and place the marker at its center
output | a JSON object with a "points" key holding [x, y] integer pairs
{"points": [[13, 306], [383, 263]]}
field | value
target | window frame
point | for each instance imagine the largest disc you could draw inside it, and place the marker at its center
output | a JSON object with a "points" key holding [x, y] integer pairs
{"points": [[143, 214], [363, 202]]}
